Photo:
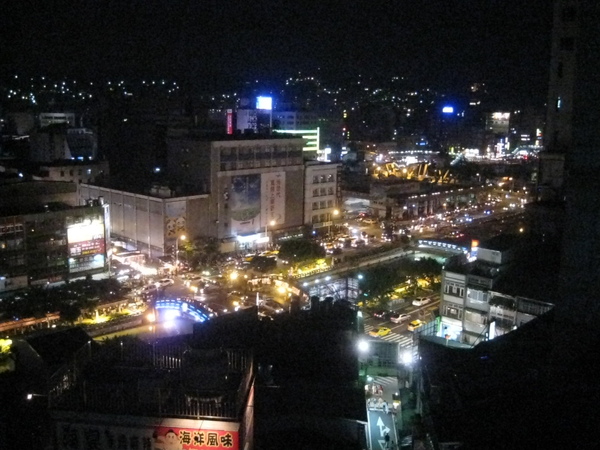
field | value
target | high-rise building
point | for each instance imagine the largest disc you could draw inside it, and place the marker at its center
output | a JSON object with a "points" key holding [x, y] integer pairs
{"points": [[558, 133]]}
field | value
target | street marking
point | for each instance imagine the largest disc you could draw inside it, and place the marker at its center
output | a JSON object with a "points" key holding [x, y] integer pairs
{"points": [[382, 428]]}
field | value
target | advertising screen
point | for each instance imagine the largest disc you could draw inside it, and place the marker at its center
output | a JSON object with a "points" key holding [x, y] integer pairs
{"points": [[87, 247], [265, 103]]}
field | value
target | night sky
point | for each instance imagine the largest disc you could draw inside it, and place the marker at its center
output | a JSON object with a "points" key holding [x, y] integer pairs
{"points": [[452, 42]]}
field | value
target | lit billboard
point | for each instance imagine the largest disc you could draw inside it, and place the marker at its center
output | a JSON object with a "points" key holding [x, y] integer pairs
{"points": [[245, 204], [202, 435], [256, 201], [87, 245], [265, 103]]}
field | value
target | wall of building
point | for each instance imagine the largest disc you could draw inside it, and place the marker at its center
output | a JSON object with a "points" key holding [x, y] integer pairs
{"points": [[151, 224], [321, 194], [51, 246], [35, 193], [76, 173]]}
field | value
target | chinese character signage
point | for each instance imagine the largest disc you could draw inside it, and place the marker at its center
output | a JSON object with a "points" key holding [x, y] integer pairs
{"points": [[96, 437], [185, 439], [273, 198], [87, 246]]}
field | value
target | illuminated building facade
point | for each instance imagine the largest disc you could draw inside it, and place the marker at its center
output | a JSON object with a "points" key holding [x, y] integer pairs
{"points": [[255, 184], [473, 307], [50, 244]]}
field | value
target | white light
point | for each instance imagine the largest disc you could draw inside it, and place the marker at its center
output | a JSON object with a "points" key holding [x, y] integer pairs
{"points": [[407, 358], [363, 346]]}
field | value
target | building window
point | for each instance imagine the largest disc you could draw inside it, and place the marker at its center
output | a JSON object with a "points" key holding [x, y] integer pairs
{"points": [[323, 217], [475, 317], [71, 172], [454, 289], [315, 219], [315, 192], [330, 178], [558, 103], [62, 173], [323, 179], [452, 310], [330, 203], [323, 191], [330, 191], [315, 205], [322, 205], [315, 179]]}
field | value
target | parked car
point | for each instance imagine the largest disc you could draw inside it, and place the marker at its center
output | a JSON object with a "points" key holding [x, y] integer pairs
{"points": [[399, 318], [420, 301]]}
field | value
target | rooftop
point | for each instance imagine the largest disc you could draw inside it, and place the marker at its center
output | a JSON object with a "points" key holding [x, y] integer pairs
{"points": [[213, 136], [169, 378]]}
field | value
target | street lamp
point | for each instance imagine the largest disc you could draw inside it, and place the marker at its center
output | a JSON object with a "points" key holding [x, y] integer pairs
{"points": [[336, 212], [182, 237], [272, 223]]}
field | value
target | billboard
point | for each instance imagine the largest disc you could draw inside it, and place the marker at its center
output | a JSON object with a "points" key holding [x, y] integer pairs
{"points": [[175, 213], [230, 121], [72, 436], [265, 103], [87, 245], [256, 201], [245, 203], [272, 198]]}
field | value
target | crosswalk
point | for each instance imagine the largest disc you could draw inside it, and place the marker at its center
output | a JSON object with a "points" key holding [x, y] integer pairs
{"points": [[391, 382], [403, 341]]}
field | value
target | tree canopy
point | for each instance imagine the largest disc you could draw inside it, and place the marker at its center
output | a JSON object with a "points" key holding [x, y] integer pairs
{"points": [[297, 250]]}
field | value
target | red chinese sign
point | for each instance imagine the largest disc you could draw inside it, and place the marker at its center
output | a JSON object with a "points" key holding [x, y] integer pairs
{"points": [[187, 439]]}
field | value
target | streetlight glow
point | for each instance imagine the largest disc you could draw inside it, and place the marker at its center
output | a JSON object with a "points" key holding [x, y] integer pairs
{"points": [[363, 346]]}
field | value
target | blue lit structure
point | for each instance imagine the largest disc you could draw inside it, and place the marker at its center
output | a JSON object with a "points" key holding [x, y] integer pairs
{"points": [[182, 308]]}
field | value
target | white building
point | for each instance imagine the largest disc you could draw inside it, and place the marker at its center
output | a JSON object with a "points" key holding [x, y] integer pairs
{"points": [[321, 194], [472, 308], [74, 171]]}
